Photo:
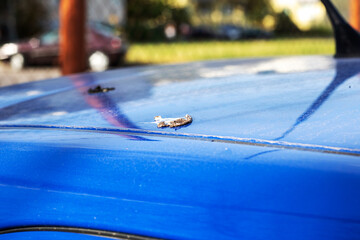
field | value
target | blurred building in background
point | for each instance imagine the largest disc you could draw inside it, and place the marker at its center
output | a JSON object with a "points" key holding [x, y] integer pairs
{"points": [[105, 11]]}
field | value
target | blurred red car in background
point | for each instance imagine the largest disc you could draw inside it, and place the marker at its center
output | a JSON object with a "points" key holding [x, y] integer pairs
{"points": [[104, 49]]}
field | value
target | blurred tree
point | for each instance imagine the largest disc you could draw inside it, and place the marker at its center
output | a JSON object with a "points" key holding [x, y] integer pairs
{"points": [[146, 19], [284, 25], [254, 10], [31, 17], [7, 21]]}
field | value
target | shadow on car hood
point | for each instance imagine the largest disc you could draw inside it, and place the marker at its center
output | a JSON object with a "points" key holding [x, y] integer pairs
{"points": [[291, 100]]}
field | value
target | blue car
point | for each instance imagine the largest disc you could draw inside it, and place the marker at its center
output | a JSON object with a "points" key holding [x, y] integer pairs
{"points": [[233, 149]]}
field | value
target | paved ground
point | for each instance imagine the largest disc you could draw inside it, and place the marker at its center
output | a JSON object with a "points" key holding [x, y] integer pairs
{"points": [[10, 77], [29, 74]]}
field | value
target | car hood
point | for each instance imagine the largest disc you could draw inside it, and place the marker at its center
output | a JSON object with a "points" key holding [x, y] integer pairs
{"points": [[278, 101], [115, 170]]}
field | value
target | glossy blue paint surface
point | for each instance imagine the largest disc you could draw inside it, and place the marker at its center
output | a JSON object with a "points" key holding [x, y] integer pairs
{"points": [[304, 99], [98, 161]]}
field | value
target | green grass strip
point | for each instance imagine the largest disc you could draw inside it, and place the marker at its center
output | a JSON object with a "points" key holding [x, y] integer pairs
{"points": [[177, 52]]}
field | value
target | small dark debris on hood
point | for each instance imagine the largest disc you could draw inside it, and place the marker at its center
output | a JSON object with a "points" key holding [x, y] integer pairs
{"points": [[99, 89]]}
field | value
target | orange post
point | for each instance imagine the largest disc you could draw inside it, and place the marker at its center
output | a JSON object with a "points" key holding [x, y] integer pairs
{"points": [[355, 14], [72, 36]]}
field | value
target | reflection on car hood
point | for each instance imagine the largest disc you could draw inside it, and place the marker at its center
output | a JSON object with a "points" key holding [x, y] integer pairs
{"points": [[305, 100]]}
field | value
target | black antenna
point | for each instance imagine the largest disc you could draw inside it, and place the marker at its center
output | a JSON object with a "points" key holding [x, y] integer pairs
{"points": [[347, 38]]}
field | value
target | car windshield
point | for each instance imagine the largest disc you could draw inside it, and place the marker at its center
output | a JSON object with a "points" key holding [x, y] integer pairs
{"points": [[50, 38]]}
